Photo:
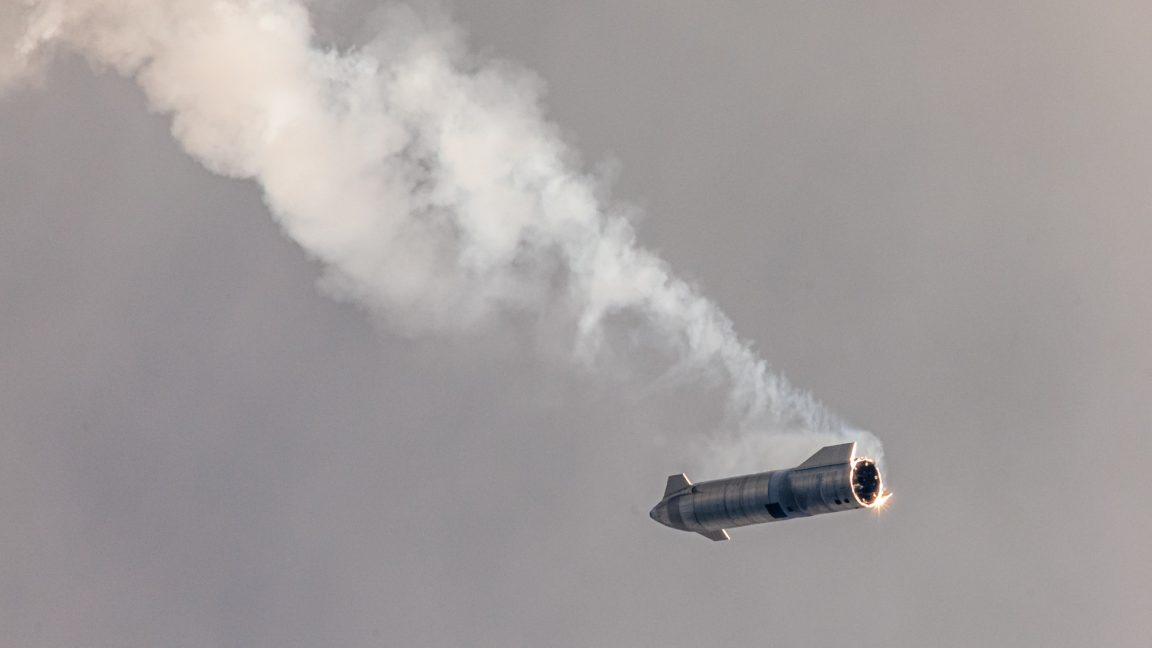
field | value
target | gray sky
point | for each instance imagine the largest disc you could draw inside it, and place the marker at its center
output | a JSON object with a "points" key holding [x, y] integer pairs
{"points": [[936, 217]]}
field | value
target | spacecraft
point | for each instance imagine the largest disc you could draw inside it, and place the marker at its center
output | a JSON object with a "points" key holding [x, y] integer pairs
{"points": [[832, 480]]}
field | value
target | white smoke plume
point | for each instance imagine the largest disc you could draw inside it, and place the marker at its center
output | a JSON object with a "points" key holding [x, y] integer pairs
{"points": [[427, 182]]}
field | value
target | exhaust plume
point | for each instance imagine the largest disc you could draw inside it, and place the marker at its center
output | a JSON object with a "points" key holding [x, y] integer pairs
{"points": [[428, 183]]}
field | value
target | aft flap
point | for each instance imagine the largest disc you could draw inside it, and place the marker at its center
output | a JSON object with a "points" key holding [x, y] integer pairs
{"points": [[715, 536], [676, 483], [830, 456]]}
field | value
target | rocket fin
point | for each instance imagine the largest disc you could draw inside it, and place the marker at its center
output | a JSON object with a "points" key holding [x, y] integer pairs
{"points": [[830, 456], [715, 536], [676, 483]]}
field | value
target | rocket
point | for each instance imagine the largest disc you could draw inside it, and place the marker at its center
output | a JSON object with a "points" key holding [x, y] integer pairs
{"points": [[832, 480]]}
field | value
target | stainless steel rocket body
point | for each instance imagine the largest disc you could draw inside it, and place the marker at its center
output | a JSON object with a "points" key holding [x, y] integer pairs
{"points": [[832, 480]]}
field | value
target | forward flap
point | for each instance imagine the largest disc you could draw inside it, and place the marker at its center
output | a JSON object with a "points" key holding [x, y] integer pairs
{"points": [[676, 483]]}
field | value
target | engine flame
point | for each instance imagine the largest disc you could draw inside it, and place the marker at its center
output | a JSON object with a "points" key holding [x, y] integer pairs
{"points": [[882, 501]]}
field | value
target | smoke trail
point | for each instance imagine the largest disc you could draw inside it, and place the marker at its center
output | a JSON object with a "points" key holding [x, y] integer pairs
{"points": [[428, 183]]}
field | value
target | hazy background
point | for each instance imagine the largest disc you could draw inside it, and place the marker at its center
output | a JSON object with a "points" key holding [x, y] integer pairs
{"points": [[936, 217]]}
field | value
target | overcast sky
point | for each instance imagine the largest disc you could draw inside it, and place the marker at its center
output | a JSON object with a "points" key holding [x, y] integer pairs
{"points": [[936, 217]]}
